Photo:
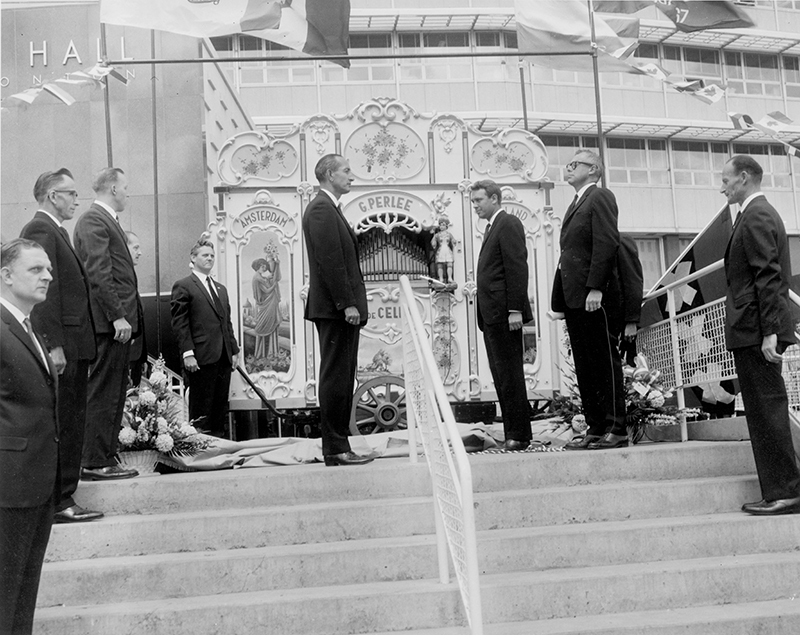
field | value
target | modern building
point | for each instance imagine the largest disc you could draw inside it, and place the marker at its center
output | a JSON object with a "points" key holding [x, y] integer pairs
{"points": [[664, 148]]}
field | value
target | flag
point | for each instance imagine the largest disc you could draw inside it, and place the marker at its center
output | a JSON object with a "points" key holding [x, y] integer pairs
{"points": [[706, 248], [560, 26], [698, 15], [687, 15], [315, 27]]}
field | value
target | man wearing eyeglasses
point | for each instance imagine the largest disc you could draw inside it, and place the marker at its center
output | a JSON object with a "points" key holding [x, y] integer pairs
{"points": [[64, 321], [103, 247], [586, 290]]}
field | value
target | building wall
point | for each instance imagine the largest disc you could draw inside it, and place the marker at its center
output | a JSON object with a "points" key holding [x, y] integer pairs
{"points": [[48, 134]]}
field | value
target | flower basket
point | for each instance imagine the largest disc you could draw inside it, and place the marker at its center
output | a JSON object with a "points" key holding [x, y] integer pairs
{"points": [[143, 461], [154, 422]]}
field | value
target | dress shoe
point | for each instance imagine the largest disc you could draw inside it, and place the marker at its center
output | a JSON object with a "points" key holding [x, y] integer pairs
{"points": [[107, 473], [582, 443], [76, 514], [512, 445], [610, 441], [773, 508], [346, 458]]}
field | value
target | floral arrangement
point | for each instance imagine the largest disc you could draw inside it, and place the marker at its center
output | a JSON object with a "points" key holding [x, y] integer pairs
{"points": [[154, 419], [271, 250]]}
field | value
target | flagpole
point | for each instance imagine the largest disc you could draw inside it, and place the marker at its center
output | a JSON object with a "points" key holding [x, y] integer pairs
{"points": [[106, 102], [596, 71], [155, 188], [522, 88]]}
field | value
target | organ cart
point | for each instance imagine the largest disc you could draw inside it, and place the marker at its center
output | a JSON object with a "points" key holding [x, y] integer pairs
{"points": [[411, 170]]}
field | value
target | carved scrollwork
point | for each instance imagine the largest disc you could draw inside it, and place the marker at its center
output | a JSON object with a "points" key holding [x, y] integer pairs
{"points": [[320, 130], [510, 152], [256, 156], [448, 128], [383, 108], [387, 221]]}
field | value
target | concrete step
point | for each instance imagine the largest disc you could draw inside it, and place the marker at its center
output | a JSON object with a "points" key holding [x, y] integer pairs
{"points": [[394, 478], [771, 617], [336, 521], [150, 577], [419, 604]]}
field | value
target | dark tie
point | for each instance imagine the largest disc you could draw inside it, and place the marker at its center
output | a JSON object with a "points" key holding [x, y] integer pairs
{"points": [[214, 295], [35, 342], [571, 206], [65, 234]]}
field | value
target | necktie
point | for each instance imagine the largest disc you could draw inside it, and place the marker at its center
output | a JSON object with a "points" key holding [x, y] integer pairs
{"points": [[572, 205], [36, 345], [214, 295]]}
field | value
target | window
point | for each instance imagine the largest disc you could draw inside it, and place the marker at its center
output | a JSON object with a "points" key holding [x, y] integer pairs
{"points": [[435, 69], [752, 74], [496, 69], [278, 72], [791, 73], [650, 257], [698, 162], [637, 161], [692, 62], [774, 160], [373, 70], [561, 149]]}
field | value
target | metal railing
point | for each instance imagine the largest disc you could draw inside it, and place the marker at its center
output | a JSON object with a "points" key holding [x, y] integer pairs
{"points": [[429, 413], [689, 348]]}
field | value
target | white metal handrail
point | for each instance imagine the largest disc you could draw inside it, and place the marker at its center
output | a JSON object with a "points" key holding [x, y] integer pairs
{"points": [[429, 413], [689, 349]]}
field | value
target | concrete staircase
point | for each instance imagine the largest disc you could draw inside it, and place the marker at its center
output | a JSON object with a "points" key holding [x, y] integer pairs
{"points": [[643, 540]]}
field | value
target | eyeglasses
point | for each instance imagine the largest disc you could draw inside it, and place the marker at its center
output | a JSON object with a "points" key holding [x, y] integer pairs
{"points": [[574, 164], [72, 193]]}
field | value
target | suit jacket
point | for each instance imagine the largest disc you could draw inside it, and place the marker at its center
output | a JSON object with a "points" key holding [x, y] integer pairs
{"points": [[335, 279], [589, 242], [502, 273], [758, 271], [197, 324], [28, 424], [65, 318], [103, 248], [630, 278]]}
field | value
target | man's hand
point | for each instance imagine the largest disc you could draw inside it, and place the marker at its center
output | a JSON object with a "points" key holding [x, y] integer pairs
{"points": [[235, 361], [594, 300], [59, 359], [351, 315], [122, 330], [514, 321], [190, 363], [630, 331], [769, 349]]}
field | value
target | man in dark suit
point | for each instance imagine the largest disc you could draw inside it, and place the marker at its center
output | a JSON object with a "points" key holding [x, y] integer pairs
{"points": [[102, 246], [586, 290], [28, 434], [503, 307], [758, 329], [138, 352], [201, 322], [336, 304], [632, 288], [64, 321]]}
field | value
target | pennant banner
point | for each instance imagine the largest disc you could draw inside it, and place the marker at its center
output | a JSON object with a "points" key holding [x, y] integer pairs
{"points": [[315, 27]]}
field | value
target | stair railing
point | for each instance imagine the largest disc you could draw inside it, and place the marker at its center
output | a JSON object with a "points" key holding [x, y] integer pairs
{"points": [[689, 349], [429, 413]]}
